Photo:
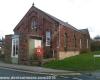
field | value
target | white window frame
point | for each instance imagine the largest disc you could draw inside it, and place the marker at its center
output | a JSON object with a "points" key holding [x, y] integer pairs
{"points": [[15, 42], [48, 36]]}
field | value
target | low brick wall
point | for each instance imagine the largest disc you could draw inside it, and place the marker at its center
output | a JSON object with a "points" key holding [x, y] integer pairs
{"points": [[63, 55]]}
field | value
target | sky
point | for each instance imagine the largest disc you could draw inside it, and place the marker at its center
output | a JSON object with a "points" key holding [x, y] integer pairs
{"points": [[79, 13]]}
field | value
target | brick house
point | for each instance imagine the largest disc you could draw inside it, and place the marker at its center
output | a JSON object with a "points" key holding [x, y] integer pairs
{"points": [[37, 28]]}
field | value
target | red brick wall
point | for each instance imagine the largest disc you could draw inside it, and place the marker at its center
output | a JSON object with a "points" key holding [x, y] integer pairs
{"points": [[46, 23], [23, 49], [8, 48], [84, 43], [71, 40]]}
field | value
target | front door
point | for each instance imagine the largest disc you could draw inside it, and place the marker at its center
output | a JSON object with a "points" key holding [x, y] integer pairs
{"points": [[33, 43]]}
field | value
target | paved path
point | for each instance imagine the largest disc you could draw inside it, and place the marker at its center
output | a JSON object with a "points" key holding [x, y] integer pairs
{"points": [[38, 69], [13, 70], [96, 74]]}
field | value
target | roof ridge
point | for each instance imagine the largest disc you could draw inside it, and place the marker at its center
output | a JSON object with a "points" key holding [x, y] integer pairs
{"points": [[58, 20]]}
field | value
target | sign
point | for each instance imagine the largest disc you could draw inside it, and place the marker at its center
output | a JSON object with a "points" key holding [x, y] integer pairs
{"points": [[95, 56], [39, 54], [37, 43], [39, 51]]}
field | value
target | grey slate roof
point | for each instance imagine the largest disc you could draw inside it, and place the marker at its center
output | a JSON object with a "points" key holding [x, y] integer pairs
{"points": [[85, 31]]}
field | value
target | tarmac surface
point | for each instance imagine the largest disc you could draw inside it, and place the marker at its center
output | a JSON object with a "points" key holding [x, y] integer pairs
{"points": [[36, 69], [39, 73], [13, 74]]}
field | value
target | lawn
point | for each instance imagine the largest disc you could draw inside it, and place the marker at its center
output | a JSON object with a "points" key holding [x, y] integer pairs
{"points": [[82, 62]]}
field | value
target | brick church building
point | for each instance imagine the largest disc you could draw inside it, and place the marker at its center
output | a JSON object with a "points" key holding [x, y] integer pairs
{"points": [[38, 28]]}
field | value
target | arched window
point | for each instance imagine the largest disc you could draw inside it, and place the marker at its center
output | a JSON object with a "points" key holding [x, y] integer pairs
{"points": [[75, 41], [80, 43], [65, 40], [87, 42], [34, 24]]}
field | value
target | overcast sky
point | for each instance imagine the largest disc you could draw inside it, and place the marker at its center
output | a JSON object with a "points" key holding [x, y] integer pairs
{"points": [[79, 13]]}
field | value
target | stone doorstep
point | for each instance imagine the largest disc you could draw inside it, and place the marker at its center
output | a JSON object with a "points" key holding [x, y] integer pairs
{"points": [[36, 62]]}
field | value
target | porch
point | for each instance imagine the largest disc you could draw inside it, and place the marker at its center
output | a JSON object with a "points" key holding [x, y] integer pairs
{"points": [[24, 50]]}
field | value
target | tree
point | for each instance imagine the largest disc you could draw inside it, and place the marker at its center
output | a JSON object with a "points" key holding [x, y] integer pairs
{"points": [[97, 37], [95, 44]]}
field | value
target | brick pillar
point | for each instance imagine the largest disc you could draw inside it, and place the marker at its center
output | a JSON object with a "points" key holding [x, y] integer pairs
{"points": [[8, 48], [23, 50]]}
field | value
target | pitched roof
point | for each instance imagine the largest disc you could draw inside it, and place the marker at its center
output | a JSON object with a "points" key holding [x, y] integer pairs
{"points": [[58, 20], [52, 17], [85, 31]]}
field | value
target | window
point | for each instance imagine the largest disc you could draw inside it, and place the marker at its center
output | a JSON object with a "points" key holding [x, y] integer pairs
{"points": [[15, 46], [87, 43], [75, 41], [34, 24], [65, 40], [80, 43], [58, 42], [48, 38]]}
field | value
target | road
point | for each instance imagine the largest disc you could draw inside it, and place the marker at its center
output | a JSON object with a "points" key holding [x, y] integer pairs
{"points": [[12, 74]]}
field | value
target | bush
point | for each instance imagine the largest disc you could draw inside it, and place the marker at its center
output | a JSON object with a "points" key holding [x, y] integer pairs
{"points": [[95, 46], [2, 57], [84, 51]]}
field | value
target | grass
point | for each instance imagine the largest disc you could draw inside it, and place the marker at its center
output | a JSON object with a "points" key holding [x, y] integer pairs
{"points": [[82, 62]]}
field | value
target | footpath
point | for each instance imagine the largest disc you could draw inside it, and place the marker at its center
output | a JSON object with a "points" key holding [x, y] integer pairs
{"points": [[38, 70]]}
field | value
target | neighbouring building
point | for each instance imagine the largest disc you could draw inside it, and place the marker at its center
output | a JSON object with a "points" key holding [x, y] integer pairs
{"points": [[97, 38], [37, 28], [2, 46], [95, 44]]}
